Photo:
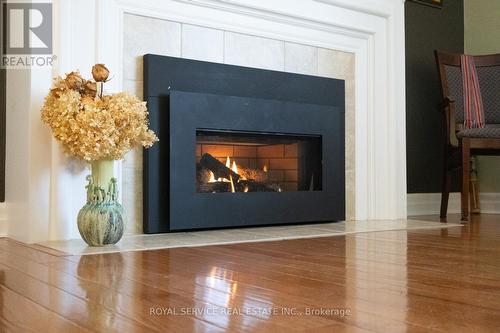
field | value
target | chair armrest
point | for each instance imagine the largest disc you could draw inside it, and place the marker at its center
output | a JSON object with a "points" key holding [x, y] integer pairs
{"points": [[451, 125]]}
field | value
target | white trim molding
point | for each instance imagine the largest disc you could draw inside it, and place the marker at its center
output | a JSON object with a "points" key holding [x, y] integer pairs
{"points": [[430, 203], [489, 203], [3, 220], [375, 8]]}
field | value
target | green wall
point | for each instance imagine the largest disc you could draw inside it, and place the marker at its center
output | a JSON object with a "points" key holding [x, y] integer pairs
{"points": [[482, 36], [427, 29]]}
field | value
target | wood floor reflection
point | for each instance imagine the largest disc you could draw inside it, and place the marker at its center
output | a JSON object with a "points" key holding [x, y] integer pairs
{"points": [[442, 280]]}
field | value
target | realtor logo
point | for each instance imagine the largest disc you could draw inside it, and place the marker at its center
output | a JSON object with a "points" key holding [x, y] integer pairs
{"points": [[26, 34]]}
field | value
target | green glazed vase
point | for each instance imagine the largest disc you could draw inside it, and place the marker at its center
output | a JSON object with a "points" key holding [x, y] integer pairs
{"points": [[100, 221]]}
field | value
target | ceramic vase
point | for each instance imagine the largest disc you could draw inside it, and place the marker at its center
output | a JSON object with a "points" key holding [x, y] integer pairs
{"points": [[100, 221]]}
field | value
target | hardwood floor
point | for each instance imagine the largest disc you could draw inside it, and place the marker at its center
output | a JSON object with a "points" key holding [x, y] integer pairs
{"points": [[436, 280]]}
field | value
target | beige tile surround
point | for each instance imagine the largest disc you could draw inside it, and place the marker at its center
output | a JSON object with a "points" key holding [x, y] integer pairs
{"points": [[201, 43]]}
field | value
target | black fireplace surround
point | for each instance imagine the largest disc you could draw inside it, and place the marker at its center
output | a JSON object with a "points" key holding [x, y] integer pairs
{"points": [[284, 132]]}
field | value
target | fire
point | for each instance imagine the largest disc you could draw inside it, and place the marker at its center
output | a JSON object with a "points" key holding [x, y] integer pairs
{"points": [[233, 183], [234, 167], [212, 178]]}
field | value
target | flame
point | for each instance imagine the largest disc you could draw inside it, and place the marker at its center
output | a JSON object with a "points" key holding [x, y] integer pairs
{"points": [[234, 167], [264, 168], [246, 189], [212, 178]]}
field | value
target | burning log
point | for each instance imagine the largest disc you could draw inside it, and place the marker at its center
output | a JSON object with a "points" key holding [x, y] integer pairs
{"points": [[215, 177], [253, 174], [218, 168], [254, 186], [217, 187], [241, 186]]}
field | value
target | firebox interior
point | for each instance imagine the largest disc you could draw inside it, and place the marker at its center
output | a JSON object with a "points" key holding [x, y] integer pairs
{"points": [[237, 161]]}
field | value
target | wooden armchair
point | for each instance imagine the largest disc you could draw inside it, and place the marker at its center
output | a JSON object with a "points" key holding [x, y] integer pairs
{"points": [[460, 142]]}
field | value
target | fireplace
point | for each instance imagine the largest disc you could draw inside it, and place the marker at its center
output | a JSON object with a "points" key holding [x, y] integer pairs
{"points": [[241, 147]]}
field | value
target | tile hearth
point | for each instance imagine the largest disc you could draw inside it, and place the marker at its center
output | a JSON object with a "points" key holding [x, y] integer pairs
{"points": [[240, 235]]}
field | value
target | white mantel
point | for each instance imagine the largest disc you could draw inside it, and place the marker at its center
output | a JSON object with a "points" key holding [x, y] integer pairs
{"points": [[45, 189]]}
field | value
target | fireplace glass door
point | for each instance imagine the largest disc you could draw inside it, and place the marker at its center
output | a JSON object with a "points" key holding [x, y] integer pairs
{"points": [[236, 161]]}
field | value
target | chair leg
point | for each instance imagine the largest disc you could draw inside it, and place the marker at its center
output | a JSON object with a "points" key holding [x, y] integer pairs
{"points": [[445, 189], [465, 178]]}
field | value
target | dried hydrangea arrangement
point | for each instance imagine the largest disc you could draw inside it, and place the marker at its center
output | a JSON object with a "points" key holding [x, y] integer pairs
{"points": [[91, 126], [99, 129]]}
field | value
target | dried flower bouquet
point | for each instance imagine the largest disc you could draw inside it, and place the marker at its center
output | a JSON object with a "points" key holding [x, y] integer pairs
{"points": [[99, 129], [91, 126]]}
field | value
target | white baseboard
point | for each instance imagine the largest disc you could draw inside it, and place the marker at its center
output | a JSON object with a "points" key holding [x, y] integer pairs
{"points": [[490, 203], [3, 219], [430, 203]]}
